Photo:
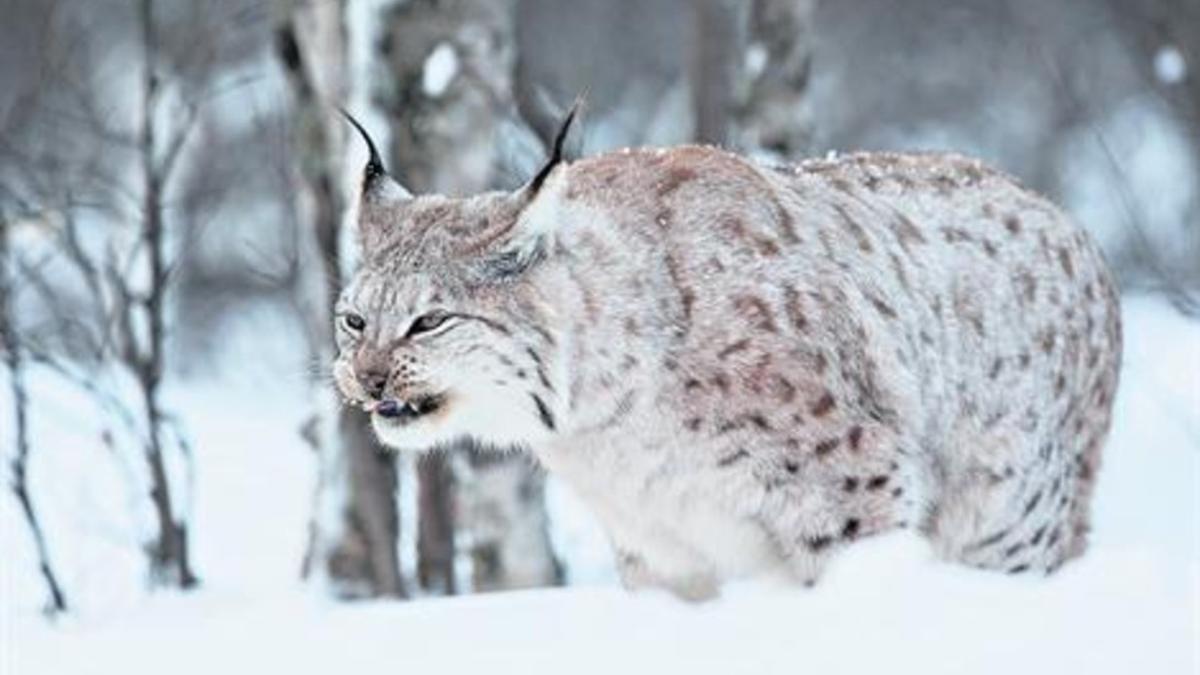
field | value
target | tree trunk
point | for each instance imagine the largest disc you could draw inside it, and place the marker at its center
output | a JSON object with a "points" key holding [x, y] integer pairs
{"points": [[773, 112], [169, 560], [353, 536], [450, 69], [435, 524], [359, 550], [714, 62], [504, 502]]}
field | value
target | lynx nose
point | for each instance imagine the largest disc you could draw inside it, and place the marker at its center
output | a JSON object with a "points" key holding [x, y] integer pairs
{"points": [[373, 383]]}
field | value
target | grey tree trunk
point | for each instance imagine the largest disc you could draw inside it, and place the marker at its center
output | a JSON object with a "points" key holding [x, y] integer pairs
{"points": [[435, 524], [774, 114], [354, 532], [504, 504], [359, 550], [447, 88], [715, 62]]}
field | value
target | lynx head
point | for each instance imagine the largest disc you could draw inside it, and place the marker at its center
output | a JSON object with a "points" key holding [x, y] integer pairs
{"points": [[441, 335]]}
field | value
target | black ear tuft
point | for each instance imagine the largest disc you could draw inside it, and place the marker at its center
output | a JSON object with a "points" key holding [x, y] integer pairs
{"points": [[556, 150], [374, 169]]}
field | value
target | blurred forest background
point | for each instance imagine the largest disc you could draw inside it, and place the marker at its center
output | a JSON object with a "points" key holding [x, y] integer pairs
{"points": [[174, 181]]}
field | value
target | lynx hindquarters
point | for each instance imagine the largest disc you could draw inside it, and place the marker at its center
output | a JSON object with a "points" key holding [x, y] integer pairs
{"points": [[742, 369]]}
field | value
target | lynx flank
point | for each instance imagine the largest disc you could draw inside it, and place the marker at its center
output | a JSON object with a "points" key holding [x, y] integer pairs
{"points": [[742, 368]]}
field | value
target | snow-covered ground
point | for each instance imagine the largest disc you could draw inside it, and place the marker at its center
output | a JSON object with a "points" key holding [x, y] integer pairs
{"points": [[1132, 604]]}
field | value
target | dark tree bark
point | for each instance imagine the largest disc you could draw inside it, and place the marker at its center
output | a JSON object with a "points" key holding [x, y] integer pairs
{"points": [[362, 560], [435, 524], [715, 62], [354, 533]]}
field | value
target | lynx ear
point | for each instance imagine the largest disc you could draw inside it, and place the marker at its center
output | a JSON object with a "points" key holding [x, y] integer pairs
{"points": [[536, 216], [512, 261], [524, 240], [381, 196], [556, 149], [376, 182]]}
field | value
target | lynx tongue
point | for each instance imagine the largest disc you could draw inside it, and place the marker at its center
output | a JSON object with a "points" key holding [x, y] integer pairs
{"points": [[394, 409], [391, 408], [404, 411]]}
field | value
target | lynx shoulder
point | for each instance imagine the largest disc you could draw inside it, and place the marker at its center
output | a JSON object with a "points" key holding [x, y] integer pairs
{"points": [[742, 368]]}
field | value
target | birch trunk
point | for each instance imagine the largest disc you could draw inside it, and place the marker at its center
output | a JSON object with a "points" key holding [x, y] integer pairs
{"points": [[774, 114], [354, 532], [448, 84]]}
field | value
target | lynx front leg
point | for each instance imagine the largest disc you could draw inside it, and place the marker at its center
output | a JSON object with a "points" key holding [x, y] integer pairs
{"points": [[804, 559], [807, 530], [636, 574]]}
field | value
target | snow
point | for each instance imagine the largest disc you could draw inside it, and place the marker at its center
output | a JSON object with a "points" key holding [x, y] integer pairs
{"points": [[756, 59], [440, 68], [871, 614], [1169, 65], [1132, 604]]}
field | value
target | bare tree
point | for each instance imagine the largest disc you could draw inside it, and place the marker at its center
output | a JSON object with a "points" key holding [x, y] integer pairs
{"points": [[159, 161], [447, 92], [355, 527], [112, 192]]}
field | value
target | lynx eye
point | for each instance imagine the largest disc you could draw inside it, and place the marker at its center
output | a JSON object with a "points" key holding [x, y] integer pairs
{"points": [[354, 322], [427, 322]]}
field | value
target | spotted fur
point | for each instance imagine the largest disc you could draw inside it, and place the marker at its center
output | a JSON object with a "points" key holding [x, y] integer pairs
{"points": [[743, 369]]}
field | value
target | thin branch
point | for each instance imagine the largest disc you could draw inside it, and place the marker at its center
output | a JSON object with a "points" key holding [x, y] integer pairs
{"points": [[35, 281], [166, 167], [88, 383], [20, 462]]}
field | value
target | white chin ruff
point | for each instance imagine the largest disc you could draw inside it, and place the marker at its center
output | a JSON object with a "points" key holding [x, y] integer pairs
{"points": [[500, 425]]}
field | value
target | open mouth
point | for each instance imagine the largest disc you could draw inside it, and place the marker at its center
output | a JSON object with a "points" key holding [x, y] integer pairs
{"points": [[404, 412]]}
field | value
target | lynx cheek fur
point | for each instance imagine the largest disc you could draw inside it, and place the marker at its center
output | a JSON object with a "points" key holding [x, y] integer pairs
{"points": [[743, 369]]}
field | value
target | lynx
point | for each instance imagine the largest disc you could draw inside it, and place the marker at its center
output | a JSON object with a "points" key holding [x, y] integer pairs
{"points": [[743, 368]]}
